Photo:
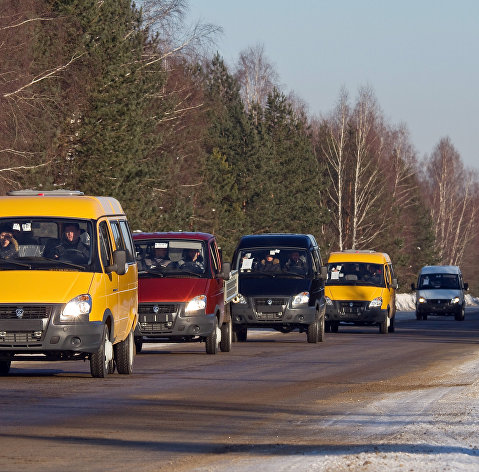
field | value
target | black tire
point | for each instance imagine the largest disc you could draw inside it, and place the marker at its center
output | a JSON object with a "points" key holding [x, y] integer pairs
{"points": [[125, 354], [384, 326], [312, 334], [241, 334], [461, 315], [322, 329], [138, 345], [100, 361], [226, 336], [327, 326], [334, 326], [211, 342], [424, 317], [391, 327], [418, 315], [5, 368]]}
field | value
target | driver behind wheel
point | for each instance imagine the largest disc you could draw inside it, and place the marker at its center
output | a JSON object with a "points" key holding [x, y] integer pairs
{"points": [[70, 245]]}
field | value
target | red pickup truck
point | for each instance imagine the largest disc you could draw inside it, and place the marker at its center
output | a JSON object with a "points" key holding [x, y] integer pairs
{"points": [[184, 289]]}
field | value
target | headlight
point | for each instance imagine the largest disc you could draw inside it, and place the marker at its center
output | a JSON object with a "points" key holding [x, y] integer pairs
{"points": [[328, 301], [455, 300], [301, 299], [421, 300], [77, 309], [195, 305], [239, 299], [376, 303]]}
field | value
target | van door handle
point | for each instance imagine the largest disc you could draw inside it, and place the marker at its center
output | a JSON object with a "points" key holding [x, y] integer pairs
{"points": [[115, 290]]}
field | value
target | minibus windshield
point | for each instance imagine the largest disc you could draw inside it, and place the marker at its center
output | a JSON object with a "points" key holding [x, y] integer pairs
{"points": [[274, 262], [171, 258], [438, 281], [355, 273], [45, 243]]}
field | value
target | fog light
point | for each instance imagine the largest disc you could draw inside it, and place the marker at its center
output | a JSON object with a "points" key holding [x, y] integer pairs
{"points": [[76, 341], [37, 334], [300, 318], [169, 324], [237, 318], [196, 329]]}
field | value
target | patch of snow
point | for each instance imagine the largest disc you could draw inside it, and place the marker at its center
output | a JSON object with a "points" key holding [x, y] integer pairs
{"points": [[407, 301]]}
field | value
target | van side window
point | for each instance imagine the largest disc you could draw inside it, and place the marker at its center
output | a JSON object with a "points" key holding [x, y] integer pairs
{"points": [[214, 258], [388, 274], [105, 244], [125, 232], [316, 262]]}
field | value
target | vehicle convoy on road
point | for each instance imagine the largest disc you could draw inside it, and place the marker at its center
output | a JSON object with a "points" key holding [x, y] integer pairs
{"points": [[360, 289], [69, 287], [184, 290], [281, 285], [440, 291]]}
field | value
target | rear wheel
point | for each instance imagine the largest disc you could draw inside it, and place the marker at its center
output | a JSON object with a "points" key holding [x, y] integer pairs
{"points": [[100, 361], [124, 354], [226, 336], [5, 367], [211, 342], [418, 315], [334, 326]]}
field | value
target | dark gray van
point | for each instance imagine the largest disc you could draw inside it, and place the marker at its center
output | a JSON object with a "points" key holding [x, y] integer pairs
{"points": [[281, 285], [440, 291]]}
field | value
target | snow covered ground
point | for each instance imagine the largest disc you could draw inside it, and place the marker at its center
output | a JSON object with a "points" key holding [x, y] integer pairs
{"points": [[429, 429]]}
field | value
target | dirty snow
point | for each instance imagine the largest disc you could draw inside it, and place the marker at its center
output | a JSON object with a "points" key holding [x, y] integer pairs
{"points": [[427, 430], [407, 301]]}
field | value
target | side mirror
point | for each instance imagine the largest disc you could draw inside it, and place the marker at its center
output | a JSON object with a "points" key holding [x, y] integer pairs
{"points": [[324, 272], [225, 271], [413, 287], [466, 286], [119, 263], [395, 284]]}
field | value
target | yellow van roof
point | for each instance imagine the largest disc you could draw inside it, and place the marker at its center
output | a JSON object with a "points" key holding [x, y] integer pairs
{"points": [[359, 256], [71, 206]]}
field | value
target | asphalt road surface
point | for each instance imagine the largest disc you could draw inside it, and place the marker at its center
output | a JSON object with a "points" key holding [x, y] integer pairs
{"points": [[184, 410]]}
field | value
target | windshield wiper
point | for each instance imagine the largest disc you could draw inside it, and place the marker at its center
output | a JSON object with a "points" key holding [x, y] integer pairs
{"points": [[71, 264], [13, 262]]}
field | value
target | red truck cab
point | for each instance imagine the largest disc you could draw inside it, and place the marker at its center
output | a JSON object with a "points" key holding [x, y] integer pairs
{"points": [[181, 290]]}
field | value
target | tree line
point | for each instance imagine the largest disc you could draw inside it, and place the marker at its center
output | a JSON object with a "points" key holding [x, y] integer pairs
{"points": [[116, 99]]}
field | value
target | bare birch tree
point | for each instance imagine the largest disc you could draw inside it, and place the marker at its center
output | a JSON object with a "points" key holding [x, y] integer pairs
{"points": [[256, 76], [368, 148], [452, 198], [333, 149]]}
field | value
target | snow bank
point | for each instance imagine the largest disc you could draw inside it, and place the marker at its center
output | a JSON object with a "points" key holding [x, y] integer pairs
{"points": [[407, 301]]}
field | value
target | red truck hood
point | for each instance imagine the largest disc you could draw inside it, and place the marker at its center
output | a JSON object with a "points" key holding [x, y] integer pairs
{"points": [[170, 290]]}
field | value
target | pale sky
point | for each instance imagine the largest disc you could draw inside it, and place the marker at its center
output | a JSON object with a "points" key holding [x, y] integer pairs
{"points": [[421, 57]]}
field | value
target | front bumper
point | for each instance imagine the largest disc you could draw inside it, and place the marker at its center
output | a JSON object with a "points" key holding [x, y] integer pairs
{"points": [[37, 332], [271, 312], [355, 312], [168, 321], [439, 307]]}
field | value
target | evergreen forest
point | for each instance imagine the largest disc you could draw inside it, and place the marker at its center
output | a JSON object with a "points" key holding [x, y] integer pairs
{"points": [[121, 99]]}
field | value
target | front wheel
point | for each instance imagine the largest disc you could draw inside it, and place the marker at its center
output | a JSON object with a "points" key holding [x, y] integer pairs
{"points": [[321, 330], [384, 326], [5, 368], [226, 336], [100, 361], [138, 345], [241, 333], [124, 354], [391, 324], [211, 342], [313, 332], [461, 315]]}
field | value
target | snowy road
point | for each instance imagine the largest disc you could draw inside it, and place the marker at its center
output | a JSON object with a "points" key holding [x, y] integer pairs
{"points": [[407, 401]]}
